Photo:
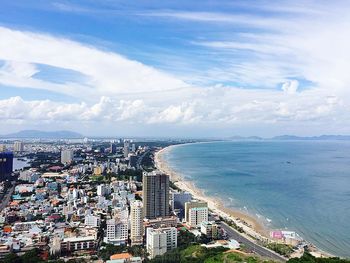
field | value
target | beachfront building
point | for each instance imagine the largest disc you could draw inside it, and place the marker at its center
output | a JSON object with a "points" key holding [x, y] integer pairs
{"points": [[178, 201], [155, 194], [136, 222], [210, 229], [160, 240], [196, 212]]}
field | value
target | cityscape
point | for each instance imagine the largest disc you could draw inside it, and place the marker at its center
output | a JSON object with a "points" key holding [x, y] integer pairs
{"points": [[152, 131], [103, 200]]}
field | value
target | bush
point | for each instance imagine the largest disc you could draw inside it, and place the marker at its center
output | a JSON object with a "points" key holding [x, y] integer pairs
{"points": [[282, 249], [308, 258]]}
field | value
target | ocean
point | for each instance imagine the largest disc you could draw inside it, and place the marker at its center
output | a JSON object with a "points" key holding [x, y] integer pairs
{"points": [[303, 186]]}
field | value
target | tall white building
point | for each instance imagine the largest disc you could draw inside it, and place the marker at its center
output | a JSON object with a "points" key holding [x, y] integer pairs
{"points": [[93, 221], [160, 240], [18, 146], [136, 222], [196, 212], [116, 232], [67, 156]]}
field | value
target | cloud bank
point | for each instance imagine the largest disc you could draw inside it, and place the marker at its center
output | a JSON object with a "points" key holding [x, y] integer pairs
{"points": [[292, 72]]}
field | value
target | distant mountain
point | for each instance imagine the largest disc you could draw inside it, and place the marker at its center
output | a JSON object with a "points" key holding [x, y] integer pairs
{"points": [[245, 138], [35, 134], [322, 137]]}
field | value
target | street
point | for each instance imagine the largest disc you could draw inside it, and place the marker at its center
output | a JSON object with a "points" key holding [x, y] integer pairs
{"points": [[262, 251], [7, 196]]}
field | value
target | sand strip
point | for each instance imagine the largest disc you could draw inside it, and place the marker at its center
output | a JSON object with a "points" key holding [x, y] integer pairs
{"points": [[250, 224]]}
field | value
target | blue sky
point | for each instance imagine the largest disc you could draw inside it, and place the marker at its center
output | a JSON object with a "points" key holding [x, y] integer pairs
{"points": [[175, 68]]}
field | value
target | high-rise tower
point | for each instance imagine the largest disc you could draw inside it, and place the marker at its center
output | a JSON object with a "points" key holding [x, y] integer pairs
{"points": [[155, 194], [136, 223]]}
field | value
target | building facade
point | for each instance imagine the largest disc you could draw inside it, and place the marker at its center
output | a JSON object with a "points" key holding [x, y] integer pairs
{"points": [[92, 220], [67, 156], [210, 229], [160, 240], [155, 194], [71, 244], [178, 200], [2, 148], [6, 165], [18, 146], [136, 222], [196, 212], [126, 148], [116, 232]]}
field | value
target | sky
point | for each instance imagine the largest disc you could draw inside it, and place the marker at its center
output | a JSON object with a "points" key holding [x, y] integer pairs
{"points": [[175, 68]]}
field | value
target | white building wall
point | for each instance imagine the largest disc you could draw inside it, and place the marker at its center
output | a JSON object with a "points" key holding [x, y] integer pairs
{"points": [[161, 240], [136, 222], [197, 216]]}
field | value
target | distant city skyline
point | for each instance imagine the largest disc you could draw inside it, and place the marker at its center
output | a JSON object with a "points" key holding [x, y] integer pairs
{"points": [[155, 68]]}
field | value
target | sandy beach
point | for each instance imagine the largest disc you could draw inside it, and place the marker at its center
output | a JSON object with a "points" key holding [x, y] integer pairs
{"points": [[250, 225]]}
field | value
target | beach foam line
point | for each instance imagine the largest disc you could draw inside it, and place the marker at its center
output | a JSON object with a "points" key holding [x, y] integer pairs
{"points": [[249, 224]]}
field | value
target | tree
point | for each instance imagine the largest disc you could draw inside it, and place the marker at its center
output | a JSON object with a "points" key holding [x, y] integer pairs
{"points": [[185, 238], [11, 258], [31, 256], [109, 250], [137, 251], [308, 258]]}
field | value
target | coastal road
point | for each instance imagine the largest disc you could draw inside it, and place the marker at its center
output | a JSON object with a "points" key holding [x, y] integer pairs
{"points": [[262, 251]]}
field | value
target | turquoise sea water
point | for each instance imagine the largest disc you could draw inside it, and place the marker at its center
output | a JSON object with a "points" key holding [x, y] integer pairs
{"points": [[298, 185]]}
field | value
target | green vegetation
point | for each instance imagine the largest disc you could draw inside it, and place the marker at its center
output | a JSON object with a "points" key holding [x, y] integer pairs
{"points": [[232, 224], [109, 250], [147, 162], [97, 178], [234, 257], [125, 175], [199, 254], [282, 249], [308, 258], [31, 256], [185, 239]]}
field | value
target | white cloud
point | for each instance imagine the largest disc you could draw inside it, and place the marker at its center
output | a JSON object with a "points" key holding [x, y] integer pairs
{"points": [[290, 87], [108, 73], [19, 69]]}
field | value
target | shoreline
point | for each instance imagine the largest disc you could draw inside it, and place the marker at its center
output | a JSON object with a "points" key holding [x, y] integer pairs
{"points": [[252, 227]]}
